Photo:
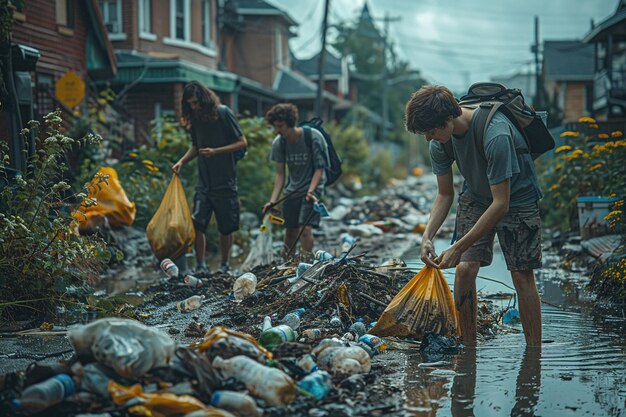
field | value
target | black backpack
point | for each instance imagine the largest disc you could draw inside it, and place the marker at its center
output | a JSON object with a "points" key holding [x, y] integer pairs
{"points": [[488, 98], [222, 111], [333, 172]]}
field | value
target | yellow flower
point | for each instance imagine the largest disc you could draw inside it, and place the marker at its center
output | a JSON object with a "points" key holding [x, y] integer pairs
{"points": [[611, 195], [556, 195], [133, 155], [593, 125], [102, 101], [563, 148], [554, 187], [147, 162], [570, 134], [558, 166], [616, 134], [594, 167], [586, 120], [603, 136]]}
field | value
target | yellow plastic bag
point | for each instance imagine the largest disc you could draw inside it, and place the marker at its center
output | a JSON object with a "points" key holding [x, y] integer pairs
{"points": [[157, 403], [424, 305], [112, 204], [170, 230]]}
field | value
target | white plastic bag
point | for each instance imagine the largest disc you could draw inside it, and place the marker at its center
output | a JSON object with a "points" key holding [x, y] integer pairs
{"points": [[128, 346]]}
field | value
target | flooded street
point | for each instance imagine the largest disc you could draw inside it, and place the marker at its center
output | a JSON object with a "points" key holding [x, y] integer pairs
{"points": [[580, 371]]}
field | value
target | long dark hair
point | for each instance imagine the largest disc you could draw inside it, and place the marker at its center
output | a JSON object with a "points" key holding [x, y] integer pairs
{"points": [[209, 101]]}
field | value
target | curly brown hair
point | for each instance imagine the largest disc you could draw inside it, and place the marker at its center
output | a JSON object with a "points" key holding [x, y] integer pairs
{"points": [[430, 108], [283, 112], [208, 100]]}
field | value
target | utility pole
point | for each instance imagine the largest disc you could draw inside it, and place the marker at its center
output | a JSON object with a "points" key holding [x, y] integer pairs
{"points": [[535, 49], [320, 70], [385, 80]]}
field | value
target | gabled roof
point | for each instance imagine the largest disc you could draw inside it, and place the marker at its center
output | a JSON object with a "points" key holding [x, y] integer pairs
{"points": [[261, 8], [613, 24], [568, 60], [310, 67], [101, 61], [291, 85]]}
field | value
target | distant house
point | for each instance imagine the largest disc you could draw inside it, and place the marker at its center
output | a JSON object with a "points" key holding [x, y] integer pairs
{"points": [[609, 83], [568, 77]]}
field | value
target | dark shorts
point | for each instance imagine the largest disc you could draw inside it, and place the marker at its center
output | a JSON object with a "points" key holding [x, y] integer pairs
{"points": [[519, 234], [226, 209], [298, 212]]}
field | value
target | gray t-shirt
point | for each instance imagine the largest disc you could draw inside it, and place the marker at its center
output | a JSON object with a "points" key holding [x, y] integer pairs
{"points": [[300, 163], [507, 156]]}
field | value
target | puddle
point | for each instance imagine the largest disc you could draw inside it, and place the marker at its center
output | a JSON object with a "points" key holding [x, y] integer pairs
{"points": [[582, 371]]}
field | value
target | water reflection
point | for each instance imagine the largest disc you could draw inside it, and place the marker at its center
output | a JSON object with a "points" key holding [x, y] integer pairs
{"points": [[528, 384], [464, 385]]}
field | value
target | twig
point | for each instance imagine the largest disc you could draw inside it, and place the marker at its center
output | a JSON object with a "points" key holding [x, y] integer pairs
{"points": [[372, 299]]}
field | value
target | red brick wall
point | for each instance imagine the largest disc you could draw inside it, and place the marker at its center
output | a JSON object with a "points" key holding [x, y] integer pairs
{"points": [[59, 52], [253, 51]]}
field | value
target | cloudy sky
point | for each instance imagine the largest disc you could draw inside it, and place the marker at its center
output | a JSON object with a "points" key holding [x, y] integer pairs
{"points": [[456, 42]]}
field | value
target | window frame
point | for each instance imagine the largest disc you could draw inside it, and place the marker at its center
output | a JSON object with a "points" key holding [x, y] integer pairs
{"points": [[120, 35], [207, 27], [187, 43], [144, 14]]}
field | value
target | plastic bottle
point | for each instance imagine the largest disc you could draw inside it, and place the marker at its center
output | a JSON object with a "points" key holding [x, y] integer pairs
{"points": [[190, 303], [244, 285], [334, 359], [45, 394], [322, 255], [271, 384], [347, 241], [292, 319], [335, 321], [358, 327], [193, 281], [310, 335], [377, 344], [302, 268], [241, 404], [276, 335], [169, 267], [267, 323], [317, 384], [307, 363]]}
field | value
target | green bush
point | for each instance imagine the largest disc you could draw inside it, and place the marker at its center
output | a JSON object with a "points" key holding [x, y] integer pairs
{"points": [[40, 255]]}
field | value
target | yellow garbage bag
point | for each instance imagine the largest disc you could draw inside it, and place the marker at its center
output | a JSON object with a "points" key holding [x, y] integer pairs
{"points": [[424, 305], [170, 230], [112, 204], [157, 403]]}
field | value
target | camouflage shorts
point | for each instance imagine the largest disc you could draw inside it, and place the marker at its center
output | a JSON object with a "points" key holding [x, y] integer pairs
{"points": [[519, 234]]}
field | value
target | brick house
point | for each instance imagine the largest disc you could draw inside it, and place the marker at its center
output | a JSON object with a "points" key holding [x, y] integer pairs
{"points": [[51, 37]]}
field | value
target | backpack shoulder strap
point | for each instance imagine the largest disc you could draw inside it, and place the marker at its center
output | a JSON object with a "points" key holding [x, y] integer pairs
{"points": [[485, 114], [308, 137]]}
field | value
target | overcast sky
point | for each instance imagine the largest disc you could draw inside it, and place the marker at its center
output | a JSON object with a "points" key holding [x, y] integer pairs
{"points": [[456, 42]]}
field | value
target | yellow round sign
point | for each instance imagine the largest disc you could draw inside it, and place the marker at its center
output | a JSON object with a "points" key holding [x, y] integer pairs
{"points": [[70, 89]]}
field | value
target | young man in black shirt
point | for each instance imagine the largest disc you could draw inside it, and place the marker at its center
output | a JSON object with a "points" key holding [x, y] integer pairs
{"points": [[216, 135]]}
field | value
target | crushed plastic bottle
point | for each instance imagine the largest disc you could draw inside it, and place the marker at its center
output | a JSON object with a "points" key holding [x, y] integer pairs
{"points": [[322, 255], [237, 402], [192, 281], [358, 327], [317, 384], [333, 358], [267, 323], [169, 267], [192, 303], [307, 363], [292, 319], [43, 395], [335, 321], [310, 335], [271, 384], [244, 286], [276, 335], [347, 241], [302, 268]]}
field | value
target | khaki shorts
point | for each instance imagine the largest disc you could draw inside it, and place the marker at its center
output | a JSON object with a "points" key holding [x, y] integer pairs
{"points": [[519, 234]]}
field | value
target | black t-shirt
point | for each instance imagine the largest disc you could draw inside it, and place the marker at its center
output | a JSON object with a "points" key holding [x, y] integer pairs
{"points": [[216, 173]]}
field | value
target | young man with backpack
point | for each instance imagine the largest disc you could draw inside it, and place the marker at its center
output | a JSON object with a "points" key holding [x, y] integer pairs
{"points": [[217, 137], [304, 151], [499, 196]]}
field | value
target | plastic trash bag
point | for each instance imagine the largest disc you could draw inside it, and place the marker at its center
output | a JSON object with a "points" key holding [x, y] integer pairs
{"points": [[128, 346], [171, 230], [424, 305], [261, 249], [158, 403], [220, 341], [113, 206]]}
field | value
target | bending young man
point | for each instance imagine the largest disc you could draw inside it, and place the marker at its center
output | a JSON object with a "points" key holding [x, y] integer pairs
{"points": [[215, 135], [499, 196], [306, 156]]}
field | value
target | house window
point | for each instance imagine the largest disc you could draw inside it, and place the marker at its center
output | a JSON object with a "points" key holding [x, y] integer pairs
{"points": [[206, 23], [180, 20], [112, 16], [145, 17], [65, 13]]}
